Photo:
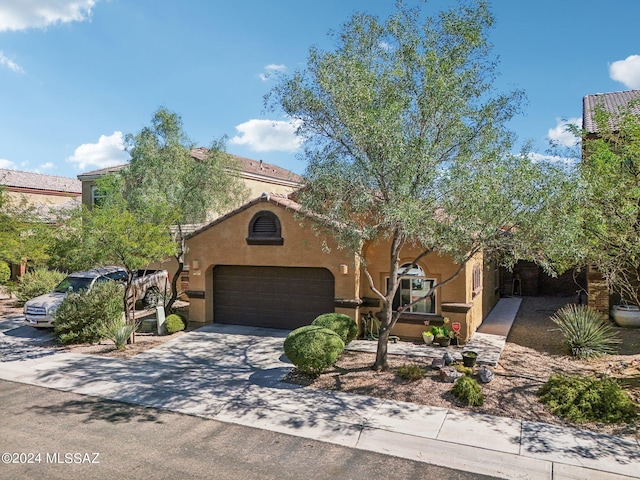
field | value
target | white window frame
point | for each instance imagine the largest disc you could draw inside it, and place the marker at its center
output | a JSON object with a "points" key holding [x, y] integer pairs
{"points": [[399, 294]]}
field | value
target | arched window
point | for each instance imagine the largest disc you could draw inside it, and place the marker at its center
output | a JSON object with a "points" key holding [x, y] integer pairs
{"points": [[264, 229], [414, 285]]}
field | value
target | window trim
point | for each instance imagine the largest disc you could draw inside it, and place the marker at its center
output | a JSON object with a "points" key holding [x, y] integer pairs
{"points": [[476, 280], [96, 196], [434, 281]]}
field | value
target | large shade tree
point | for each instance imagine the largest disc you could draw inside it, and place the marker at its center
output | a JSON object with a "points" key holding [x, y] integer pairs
{"points": [[112, 234], [406, 143], [171, 187], [611, 205]]}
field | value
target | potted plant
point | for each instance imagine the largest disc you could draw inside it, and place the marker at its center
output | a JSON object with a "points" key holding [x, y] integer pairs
{"points": [[469, 358], [442, 335], [427, 336]]}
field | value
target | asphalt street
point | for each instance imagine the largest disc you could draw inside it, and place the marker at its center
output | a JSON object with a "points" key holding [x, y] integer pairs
{"points": [[48, 434]]}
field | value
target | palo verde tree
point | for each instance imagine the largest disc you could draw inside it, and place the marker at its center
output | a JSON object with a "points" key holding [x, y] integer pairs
{"points": [[406, 143], [610, 171], [168, 185], [113, 234]]}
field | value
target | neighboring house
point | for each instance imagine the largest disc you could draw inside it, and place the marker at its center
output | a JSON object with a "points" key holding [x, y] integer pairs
{"points": [[263, 264], [40, 190], [612, 103], [257, 176], [46, 193]]}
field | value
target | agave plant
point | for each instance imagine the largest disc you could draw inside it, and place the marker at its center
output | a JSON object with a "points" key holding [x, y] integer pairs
{"points": [[586, 331]]}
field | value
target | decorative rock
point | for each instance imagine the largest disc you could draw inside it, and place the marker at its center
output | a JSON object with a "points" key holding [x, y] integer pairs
{"points": [[447, 359], [437, 364], [485, 374], [450, 374]]}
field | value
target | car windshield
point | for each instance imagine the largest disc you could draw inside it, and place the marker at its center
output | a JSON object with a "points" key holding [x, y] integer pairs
{"points": [[73, 284]]}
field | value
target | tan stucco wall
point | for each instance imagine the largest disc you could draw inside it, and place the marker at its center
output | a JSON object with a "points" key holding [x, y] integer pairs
{"points": [[224, 243], [37, 198], [86, 191], [460, 305], [258, 187]]}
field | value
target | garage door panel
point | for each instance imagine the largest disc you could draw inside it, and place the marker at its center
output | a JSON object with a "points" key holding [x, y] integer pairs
{"points": [[277, 297]]}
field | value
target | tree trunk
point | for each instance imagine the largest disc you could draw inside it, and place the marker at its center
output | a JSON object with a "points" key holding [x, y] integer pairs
{"points": [[174, 284], [381, 354]]}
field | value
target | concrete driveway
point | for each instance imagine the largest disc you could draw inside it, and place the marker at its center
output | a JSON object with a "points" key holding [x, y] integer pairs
{"points": [[232, 374]]}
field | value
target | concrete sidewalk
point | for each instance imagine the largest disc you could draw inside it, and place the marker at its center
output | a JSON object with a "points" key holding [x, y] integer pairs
{"points": [[233, 374]]}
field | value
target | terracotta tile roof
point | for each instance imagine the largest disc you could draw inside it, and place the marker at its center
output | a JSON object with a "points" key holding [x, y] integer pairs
{"points": [[612, 102], [39, 181], [256, 167], [102, 171], [248, 166]]}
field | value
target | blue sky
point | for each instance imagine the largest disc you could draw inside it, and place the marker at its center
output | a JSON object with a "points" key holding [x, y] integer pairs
{"points": [[76, 75]]}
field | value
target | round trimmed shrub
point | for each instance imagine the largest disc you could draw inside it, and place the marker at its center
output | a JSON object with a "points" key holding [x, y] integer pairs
{"points": [[341, 324], [174, 323], [313, 349]]}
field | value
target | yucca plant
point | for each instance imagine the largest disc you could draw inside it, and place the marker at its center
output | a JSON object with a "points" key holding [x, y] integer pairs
{"points": [[118, 331], [586, 331]]}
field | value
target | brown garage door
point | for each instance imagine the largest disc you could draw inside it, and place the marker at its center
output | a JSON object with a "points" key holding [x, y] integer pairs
{"points": [[275, 297]]}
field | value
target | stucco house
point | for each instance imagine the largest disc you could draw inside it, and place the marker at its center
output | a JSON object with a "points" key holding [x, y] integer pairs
{"points": [[264, 265], [45, 193], [256, 175], [39, 189]]}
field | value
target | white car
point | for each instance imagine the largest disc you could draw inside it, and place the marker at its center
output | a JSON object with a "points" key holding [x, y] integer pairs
{"points": [[40, 311]]}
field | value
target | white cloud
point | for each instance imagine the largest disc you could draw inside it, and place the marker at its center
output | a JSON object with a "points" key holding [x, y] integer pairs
{"points": [[46, 166], [7, 164], [108, 152], [626, 71], [10, 64], [540, 158], [268, 135], [21, 14], [561, 134], [271, 70]]}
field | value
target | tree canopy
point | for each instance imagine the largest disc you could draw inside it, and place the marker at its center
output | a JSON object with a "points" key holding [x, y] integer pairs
{"points": [[611, 205], [406, 141], [168, 184]]}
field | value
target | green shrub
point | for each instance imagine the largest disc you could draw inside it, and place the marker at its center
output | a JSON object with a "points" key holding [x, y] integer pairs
{"points": [[586, 331], [82, 317], [343, 325], [588, 400], [468, 390], [174, 323], [468, 371], [313, 348], [37, 282], [5, 272], [118, 330], [411, 373]]}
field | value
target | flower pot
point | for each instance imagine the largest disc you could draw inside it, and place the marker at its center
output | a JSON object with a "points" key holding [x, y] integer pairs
{"points": [[442, 341], [469, 358], [427, 337], [626, 315]]}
